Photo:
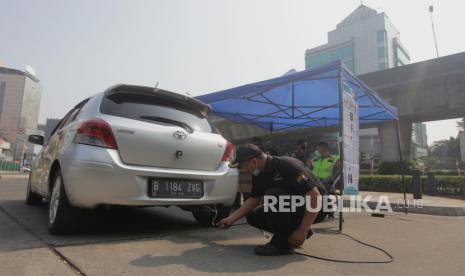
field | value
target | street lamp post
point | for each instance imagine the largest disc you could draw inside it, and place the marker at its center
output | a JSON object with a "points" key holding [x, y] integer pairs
{"points": [[434, 32]]}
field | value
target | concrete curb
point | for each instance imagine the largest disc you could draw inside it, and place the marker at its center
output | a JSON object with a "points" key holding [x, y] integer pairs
{"points": [[14, 176], [425, 210]]}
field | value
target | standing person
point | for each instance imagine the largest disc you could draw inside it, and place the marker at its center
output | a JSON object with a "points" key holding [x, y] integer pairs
{"points": [[301, 153], [325, 166], [275, 177]]}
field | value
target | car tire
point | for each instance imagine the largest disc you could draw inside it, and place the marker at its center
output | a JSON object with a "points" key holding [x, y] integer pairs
{"points": [[237, 201], [32, 198], [62, 215], [205, 217]]}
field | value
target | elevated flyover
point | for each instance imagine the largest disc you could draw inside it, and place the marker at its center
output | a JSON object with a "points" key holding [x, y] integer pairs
{"points": [[425, 91]]}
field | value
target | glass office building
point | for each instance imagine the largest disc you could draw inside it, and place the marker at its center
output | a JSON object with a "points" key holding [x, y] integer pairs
{"points": [[366, 41], [20, 95], [340, 52]]}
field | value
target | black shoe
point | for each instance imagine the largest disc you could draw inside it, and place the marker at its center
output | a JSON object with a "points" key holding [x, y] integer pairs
{"points": [[271, 250]]}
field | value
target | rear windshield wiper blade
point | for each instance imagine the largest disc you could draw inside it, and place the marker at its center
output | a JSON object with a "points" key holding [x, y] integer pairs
{"points": [[169, 121]]}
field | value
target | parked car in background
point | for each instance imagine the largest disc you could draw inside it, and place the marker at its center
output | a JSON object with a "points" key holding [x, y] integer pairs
{"points": [[133, 146], [26, 168]]}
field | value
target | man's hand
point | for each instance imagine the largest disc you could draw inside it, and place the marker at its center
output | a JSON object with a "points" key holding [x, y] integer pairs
{"points": [[298, 237], [246, 207], [225, 223]]}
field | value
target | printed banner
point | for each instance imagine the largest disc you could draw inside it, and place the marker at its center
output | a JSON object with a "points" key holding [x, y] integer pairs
{"points": [[350, 139]]}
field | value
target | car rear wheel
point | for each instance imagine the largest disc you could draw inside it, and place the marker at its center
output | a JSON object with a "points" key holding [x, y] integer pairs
{"points": [[31, 197], [62, 215], [206, 217]]}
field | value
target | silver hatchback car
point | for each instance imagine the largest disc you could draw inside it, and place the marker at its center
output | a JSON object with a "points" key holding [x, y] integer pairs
{"points": [[133, 146]]}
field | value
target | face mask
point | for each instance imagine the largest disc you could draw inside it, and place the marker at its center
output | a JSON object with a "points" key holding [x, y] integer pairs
{"points": [[317, 154]]}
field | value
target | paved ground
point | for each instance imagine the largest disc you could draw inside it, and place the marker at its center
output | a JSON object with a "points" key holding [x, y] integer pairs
{"points": [[398, 198], [430, 205], [5, 175], [168, 242]]}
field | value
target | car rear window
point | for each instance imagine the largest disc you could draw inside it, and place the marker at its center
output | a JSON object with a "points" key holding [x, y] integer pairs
{"points": [[142, 107]]}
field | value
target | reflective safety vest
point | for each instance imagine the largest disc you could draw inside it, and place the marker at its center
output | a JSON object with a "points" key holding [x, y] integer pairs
{"points": [[323, 167]]}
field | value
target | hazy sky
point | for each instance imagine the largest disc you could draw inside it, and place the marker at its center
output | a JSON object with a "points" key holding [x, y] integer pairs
{"points": [[79, 48]]}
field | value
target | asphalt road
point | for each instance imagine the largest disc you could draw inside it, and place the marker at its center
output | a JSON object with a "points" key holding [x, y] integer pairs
{"points": [[160, 241], [24, 227]]}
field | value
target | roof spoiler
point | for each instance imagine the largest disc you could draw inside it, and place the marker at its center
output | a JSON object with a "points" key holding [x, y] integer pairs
{"points": [[199, 106]]}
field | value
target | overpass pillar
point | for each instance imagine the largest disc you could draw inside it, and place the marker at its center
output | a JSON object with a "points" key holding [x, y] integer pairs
{"points": [[388, 140]]}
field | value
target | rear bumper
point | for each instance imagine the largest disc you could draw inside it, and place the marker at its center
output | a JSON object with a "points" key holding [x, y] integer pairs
{"points": [[96, 176]]}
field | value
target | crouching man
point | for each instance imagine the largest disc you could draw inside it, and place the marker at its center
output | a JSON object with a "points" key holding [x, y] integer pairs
{"points": [[276, 177]]}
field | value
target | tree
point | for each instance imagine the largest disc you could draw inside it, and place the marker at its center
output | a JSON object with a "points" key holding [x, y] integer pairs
{"points": [[461, 125], [443, 154]]}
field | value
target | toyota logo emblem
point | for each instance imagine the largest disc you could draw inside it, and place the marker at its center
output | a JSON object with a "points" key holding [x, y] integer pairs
{"points": [[180, 135]]}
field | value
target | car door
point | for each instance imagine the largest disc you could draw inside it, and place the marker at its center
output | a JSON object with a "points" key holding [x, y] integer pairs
{"points": [[47, 156], [37, 170], [54, 147]]}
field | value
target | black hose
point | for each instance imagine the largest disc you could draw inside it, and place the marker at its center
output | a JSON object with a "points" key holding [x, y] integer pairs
{"points": [[329, 232], [391, 258]]}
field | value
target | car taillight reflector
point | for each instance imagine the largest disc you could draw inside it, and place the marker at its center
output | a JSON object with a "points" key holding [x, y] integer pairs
{"points": [[228, 152], [95, 132]]}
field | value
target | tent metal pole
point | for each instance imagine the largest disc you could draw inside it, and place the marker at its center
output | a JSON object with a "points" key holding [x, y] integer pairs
{"points": [[402, 169], [341, 147], [293, 101]]}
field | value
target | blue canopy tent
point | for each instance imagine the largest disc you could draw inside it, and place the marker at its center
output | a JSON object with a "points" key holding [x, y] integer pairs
{"points": [[306, 99]]}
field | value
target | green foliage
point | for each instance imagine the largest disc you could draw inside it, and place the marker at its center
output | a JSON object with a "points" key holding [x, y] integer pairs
{"points": [[448, 172], [461, 124], [450, 184], [446, 185], [366, 171], [9, 166], [443, 154], [383, 183], [395, 167]]}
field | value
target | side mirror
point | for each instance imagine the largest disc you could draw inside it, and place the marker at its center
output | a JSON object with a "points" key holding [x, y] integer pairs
{"points": [[36, 139]]}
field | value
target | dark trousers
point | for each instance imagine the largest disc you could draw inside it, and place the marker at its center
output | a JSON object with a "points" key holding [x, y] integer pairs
{"points": [[281, 224]]}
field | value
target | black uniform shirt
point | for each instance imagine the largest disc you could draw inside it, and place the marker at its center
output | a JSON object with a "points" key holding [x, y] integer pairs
{"points": [[282, 172]]}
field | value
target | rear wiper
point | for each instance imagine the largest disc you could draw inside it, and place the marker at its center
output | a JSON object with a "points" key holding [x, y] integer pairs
{"points": [[169, 121]]}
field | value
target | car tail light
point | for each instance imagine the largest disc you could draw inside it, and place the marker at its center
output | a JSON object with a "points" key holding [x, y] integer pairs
{"points": [[228, 152], [95, 132]]}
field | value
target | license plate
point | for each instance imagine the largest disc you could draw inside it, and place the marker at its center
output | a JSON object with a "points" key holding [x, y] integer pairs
{"points": [[176, 188]]}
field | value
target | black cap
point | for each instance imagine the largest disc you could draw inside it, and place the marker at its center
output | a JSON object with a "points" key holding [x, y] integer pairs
{"points": [[322, 144], [245, 153]]}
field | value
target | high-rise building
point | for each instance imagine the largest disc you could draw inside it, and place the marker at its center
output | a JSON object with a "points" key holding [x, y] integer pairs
{"points": [[366, 41], [20, 94], [419, 134], [419, 140]]}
